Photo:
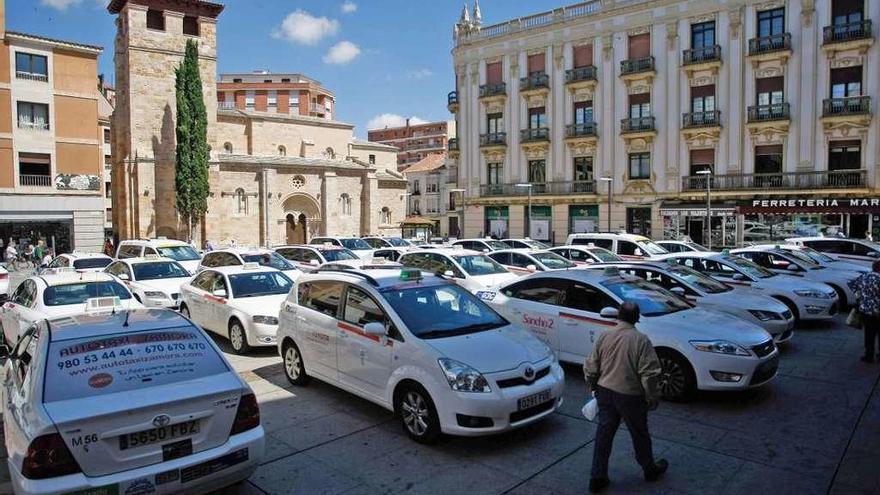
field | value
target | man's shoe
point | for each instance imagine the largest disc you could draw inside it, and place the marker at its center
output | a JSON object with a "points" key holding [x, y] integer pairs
{"points": [[656, 471], [598, 484], [867, 359]]}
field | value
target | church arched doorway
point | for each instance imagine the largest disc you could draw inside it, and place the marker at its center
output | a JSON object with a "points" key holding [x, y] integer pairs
{"points": [[302, 218], [297, 229]]}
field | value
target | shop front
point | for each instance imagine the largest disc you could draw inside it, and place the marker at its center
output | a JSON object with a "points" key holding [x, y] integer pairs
{"points": [[779, 218], [583, 219], [497, 221], [689, 220], [540, 222]]}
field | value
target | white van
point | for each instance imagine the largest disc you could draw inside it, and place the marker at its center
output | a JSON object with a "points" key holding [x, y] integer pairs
{"points": [[627, 246], [178, 251]]}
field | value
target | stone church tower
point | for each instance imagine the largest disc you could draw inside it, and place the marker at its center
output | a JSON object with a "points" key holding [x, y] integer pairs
{"points": [[151, 38]]}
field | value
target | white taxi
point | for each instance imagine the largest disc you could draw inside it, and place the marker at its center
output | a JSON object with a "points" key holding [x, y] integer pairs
{"points": [[628, 246], [88, 409], [823, 259], [698, 348], [357, 245], [237, 302], [4, 284], [61, 292], [179, 251], [861, 251], [806, 299], [154, 281], [81, 262], [485, 245], [238, 256], [470, 269], [525, 261], [585, 255], [525, 243], [309, 258], [420, 346]]}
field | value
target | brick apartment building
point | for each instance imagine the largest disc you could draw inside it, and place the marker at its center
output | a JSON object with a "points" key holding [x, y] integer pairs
{"points": [[415, 141], [262, 91]]}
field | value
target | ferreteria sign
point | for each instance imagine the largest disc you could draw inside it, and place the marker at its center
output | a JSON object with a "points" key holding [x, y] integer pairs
{"points": [[811, 205]]}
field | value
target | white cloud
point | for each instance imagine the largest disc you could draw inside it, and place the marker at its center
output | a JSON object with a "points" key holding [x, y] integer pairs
{"points": [[64, 4], [349, 7], [420, 73], [301, 27], [342, 53], [392, 120]]}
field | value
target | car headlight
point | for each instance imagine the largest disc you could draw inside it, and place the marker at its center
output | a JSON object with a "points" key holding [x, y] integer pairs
{"points": [[463, 378], [719, 347], [154, 295], [812, 293], [765, 315], [266, 320]]}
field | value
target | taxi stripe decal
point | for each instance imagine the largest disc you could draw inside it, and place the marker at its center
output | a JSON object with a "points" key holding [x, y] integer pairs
{"points": [[357, 331], [588, 319], [215, 299]]}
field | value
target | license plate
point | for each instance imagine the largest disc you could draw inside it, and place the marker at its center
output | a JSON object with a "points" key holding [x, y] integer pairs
{"points": [[157, 435], [533, 400], [210, 467]]}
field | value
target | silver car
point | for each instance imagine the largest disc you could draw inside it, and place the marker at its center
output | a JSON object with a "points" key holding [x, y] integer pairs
{"points": [[708, 293]]}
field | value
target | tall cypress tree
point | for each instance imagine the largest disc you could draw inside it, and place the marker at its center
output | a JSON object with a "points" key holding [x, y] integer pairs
{"points": [[191, 165]]}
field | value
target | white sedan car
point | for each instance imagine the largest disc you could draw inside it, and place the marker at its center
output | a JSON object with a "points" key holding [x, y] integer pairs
{"points": [[81, 262], [61, 292], [237, 302], [420, 346], [698, 348], [470, 269], [792, 263], [681, 246], [309, 258], [238, 256], [585, 255], [708, 293], [806, 299], [526, 261], [154, 281], [87, 408], [823, 259], [4, 285]]}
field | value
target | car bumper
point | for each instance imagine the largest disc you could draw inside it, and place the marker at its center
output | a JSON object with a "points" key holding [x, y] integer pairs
{"points": [[260, 335], [753, 372], [162, 303], [500, 406], [781, 330], [203, 472], [818, 309]]}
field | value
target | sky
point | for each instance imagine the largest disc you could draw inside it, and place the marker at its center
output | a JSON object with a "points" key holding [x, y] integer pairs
{"points": [[385, 60]]}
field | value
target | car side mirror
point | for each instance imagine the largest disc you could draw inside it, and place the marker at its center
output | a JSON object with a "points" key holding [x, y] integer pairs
{"points": [[678, 291], [449, 273], [219, 293], [738, 276], [375, 328], [314, 262], [123, 276], [487, 250], [639, 252], [532, 268], [608, 312]]}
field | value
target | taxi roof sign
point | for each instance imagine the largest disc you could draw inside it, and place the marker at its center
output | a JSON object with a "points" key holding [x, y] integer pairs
{"points": [[251, 265], [59, 270], [410, 274], [96, 304], [726, 252], [151, 257]]}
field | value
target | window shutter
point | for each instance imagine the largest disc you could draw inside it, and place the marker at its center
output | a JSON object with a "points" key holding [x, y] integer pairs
{"points": [[640, 46], [703, 91], [702, 157], [773, 149], [536, 63], [768, 84], [639, 99], [493, 73], [583, 56]]}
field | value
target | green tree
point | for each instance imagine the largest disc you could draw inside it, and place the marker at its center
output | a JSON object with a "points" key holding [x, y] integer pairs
{"points": [[191, 163]]}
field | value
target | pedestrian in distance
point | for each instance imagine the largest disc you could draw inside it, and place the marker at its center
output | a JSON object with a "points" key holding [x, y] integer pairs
{"points": [[30, 253], [108, 247], [867, 287], [623, 370], [50, 254], [11, 255]]}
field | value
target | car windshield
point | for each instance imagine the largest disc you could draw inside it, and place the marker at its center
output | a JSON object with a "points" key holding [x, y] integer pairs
{"points": [[442, 310], [397, 242], [354, 243], [158, 270], [651, 247], [127, 362], [79, 293], [337, 254], [479, 264], [270, 259], [533, 244], [652, 299], [816, 256], [697, 279], [749, 268], [803, 260], [696, 247], [552, 260], [604, 254], [179, 253], [258, 284], [89, 263]]}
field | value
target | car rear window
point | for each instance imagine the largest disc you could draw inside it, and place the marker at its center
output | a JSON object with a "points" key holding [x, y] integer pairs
{"points": [[62, 295], [87, 263], [109, 364]]}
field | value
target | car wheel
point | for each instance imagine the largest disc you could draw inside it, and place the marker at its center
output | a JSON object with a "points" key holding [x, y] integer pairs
{"points": [[293, 365], [677, 381], [184, 311], [841, 296], [238, 338], [791, 307], [418, 414]]}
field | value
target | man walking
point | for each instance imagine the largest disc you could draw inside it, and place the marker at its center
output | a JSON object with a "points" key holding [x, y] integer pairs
{"points": [[868, 288], [623, 370]]}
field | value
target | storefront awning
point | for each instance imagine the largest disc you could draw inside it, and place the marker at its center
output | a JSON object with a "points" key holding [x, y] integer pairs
{"points": [[417, 222]]}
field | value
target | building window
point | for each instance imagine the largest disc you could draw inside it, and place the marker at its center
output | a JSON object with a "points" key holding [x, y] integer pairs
{"points": [[415, 188], [846, 82], [639, 46], [638, 221], [417, 207], [385, 216], [285, 79], [272, 101], [582, 56], [227, 147], [108, 162], [703, 35], [34, 169], [845, 155], [768, 159], [33, 115], [155, 19], [703, 99], [346, 205], [770, 91], [701, 160], [494, 123], [30, 66], [106, 189], [537, 171], [639, 165], [583, 169], [493, 173], [236, 79], [639, 106], [249, 101], [430, 185], [771, 22], [847, 11], [452, 201], [583, 112], [107, 136], [190, 25], [329, 153], [537, 118], [371, 159], [493, 73], [241, 206]]}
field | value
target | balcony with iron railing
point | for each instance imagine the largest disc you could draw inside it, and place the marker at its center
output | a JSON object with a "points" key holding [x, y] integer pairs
{"points": [[452, 101], [691, 120], [33, 126], [34, 180], [767, 113], [639, 124], [534, 134], [535, 82], [852, 105], [637, 66], [701, 55], [539, 188], [584, 129], [493, 139], [851, 31], [31, 76], [581, 74], [825, 179], [491, 90], [452, 144], [226, 105], [770, 44]]}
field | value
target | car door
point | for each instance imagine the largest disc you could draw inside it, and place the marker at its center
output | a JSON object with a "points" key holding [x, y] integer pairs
{"points": [[536, 304], [194, 294], [18, 389], [520, 263], [316, 325], [364, 360], [217, 307], [581, 321], [20, 312], [663, 280]]}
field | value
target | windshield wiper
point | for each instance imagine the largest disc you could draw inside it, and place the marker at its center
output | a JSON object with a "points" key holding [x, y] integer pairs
{"points": [[477, 327]]}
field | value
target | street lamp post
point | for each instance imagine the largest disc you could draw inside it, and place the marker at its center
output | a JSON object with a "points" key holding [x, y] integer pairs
{"points": [[405, 195], [610, 182], [708, 173], [529, 222], [460, 210]]}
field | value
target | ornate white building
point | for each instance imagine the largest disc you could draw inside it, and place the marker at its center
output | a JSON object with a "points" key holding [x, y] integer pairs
{"points": [[773, 97]]}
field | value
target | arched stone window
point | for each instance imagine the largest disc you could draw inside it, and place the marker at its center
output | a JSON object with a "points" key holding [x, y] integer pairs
{"points": [[282, 151], [385, 216], [241, 206], [227, 147], [345, 199]]}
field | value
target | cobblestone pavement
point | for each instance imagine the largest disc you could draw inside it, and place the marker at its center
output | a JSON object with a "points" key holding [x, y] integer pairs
{"points": [[814, 430]]}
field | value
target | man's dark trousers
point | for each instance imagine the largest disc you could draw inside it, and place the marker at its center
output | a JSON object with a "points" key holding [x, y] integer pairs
{"points": [[872, 335], [633, 410]]}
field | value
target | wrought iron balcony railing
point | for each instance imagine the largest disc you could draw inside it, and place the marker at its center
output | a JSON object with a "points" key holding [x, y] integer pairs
{"points": [[586, 129], [540, 188], [838, 33], [852, 105], [493, 139], [587, 73], [493, 89], [701, 55], [776, 111], [636, 65], [640, 124], [33, 180], [452, 98], [534, 134], [768, 44], [825, 179], [700, 119], [538, 80]]}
